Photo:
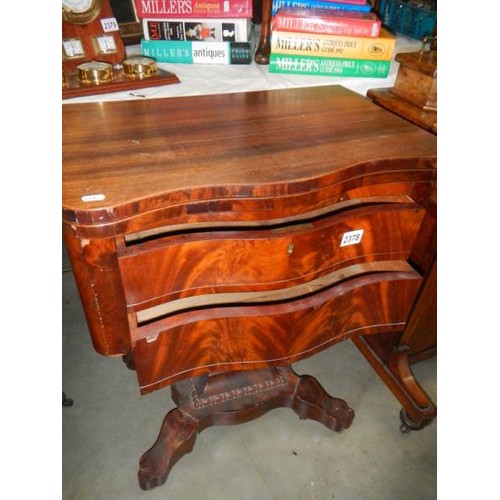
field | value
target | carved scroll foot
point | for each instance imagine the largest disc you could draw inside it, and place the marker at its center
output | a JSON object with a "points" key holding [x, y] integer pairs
{"points": [[176, 438], [313, 402], [233, 398]]}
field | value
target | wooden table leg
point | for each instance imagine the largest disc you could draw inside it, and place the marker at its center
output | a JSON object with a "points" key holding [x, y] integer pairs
{"points": [[393, 367], [264, 48], [233, 398]]}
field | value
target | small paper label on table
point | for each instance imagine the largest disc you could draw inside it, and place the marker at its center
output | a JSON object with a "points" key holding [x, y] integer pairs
{"points": [[352, 237]]}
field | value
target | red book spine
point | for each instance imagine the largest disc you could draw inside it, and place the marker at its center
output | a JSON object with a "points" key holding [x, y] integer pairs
{"points": [[340, 24], [165, 9]]}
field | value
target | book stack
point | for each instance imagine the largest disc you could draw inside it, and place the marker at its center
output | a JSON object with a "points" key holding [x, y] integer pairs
{"points": [[197, 31], [323, 37]]}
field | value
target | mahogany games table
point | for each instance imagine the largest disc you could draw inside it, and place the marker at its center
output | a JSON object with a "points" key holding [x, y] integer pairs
{"points": [[216, 240]]}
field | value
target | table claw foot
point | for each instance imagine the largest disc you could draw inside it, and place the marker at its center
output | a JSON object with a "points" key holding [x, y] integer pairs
{"points": [[176, 438], [311, 401]]}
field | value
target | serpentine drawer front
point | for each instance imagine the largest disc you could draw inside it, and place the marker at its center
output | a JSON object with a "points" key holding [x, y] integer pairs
{"points": [[254, 336], [232, 260], [269, 295], [243, 238]]}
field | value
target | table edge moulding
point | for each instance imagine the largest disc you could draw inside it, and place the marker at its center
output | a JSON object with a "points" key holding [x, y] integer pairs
{"points": [[217, 240]]}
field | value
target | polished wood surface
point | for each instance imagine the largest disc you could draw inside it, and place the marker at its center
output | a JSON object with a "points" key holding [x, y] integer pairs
{"points": [[413, 97], [279, 157], [218, 157], [244, 337], [214, 235], [386, 98], [417, 77], [414, 94]]}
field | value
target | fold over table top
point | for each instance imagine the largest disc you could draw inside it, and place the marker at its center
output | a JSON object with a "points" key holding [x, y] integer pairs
{"points": [[122, 158]]}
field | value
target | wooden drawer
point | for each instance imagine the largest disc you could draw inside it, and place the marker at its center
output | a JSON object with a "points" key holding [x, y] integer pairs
{"points": [[248, 336], [178, 266]]}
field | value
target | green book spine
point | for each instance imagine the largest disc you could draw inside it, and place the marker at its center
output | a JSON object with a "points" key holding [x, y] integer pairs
{"points": [[328, 66]]}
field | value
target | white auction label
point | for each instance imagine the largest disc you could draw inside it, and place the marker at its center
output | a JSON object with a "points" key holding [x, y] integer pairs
{"points": [[93, 197], [109, 24], [351, 237]]}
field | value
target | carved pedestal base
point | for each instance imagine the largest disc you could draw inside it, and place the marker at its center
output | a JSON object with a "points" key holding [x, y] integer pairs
{"points": [[232, 398]]}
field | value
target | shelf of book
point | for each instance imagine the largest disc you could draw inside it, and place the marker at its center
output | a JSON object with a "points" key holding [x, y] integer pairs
{"points": [[201, 79], [328, 42]]}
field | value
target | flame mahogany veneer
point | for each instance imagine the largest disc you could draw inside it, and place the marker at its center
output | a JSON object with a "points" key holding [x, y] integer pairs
{"points": [[205, 238]]}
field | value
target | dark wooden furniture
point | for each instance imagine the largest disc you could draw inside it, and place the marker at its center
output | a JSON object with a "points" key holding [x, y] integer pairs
{"points": [[216, 240], [414, 94], [414, 98]]}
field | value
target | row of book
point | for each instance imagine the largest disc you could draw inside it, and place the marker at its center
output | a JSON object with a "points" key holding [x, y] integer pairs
{"points": [[326, 41], [320, 37], [197, 31]]}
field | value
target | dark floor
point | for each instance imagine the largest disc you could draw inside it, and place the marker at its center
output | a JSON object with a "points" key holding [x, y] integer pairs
{"points": [[275, 457]]}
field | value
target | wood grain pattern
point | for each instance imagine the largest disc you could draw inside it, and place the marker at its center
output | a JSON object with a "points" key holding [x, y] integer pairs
{"points": [[205, 238], [196, 161], [415, 114], [284, 157], [256, 336], [184, 265], [95, 268]]}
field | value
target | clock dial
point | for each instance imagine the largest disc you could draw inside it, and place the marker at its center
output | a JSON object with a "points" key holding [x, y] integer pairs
{"points": [[105, 44], [73, 48], [80, 11], [77, 5]]}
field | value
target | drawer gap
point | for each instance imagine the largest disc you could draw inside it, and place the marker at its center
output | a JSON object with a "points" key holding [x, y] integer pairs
{"points": [[240, 299], [343, 206]]}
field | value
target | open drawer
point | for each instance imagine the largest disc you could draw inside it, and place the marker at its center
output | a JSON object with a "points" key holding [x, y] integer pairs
{"points": [[275, 329], [157, 272]]}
